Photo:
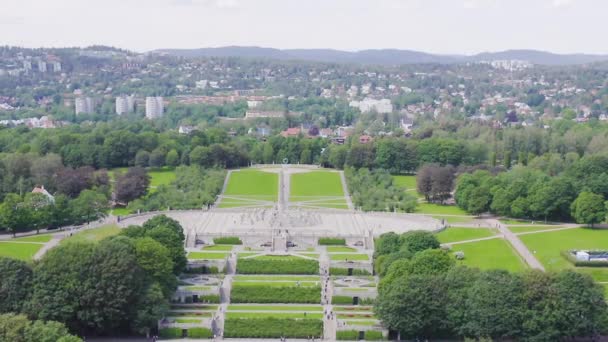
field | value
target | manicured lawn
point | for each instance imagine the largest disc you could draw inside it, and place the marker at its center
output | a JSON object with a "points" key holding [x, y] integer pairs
{"points": [[437, 209], [44, 238], [316, 183], [208, 256], [547, 247], [274, 314], [453, 234], [333, 249], [253, 183], [276, 283], [95, 234], [276, 278], [218, 248], [354, 257], [197, 288], [275, 308], [246, 254], [278, 257], [409, 183], [531, 228], [121, 212], [514, 221], [490, 254], [21, 251], [163, 176]]}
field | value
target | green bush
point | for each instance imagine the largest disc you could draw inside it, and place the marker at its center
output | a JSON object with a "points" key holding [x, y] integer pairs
{"points": [[272, 328], [372, 335], [367, 301], [228, 240], [202, 270], [332, 242], [170, 333], [200, 333], [261, 266], [344, 271], [347, 335], [266, 294], [209, 299], [343, 300]]}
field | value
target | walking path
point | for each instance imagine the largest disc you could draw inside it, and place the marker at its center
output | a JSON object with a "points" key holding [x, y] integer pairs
{"points": [[284, 189], [349, 200], [473, 240], [519, 246]]}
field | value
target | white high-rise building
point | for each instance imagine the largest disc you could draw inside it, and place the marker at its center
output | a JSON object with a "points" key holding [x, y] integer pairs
{"points": [[84, 105], [42, 66], [125, 104], [56, 66], [154, 107]]}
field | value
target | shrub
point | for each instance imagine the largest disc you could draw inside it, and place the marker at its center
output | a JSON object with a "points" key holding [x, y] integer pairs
{"points": [[170, 333], [199, 333], [265, 294], [332, 242], [344, 300], [367, 301], [344, 271], [372, 335], [347, 335], [272, 328], [202, 270], [228, 240], [253, 266]]}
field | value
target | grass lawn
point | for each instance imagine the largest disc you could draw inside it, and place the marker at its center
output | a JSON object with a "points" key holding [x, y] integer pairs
{"points": [[259, 184], [490, 254], [454, 234], [162, 176], [531, 228], [218, 248], [409, 183], [333, 249], [208, 256], [95, 234], [246, 254], [276, 283], [44, 238], [275, 308], [548, 246], [274, 314], [355, 315], [362, 322], [454, 220], [438, 209], [17, 250], [278, 257], [354, 257], [514, 221], [187, 320], [197, 288], [316, 183], [310, 255], [120, 212], [276, 278]]}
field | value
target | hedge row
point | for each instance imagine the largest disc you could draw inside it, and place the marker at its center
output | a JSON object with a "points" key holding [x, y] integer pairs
{"points": [[214, 299], [348, 300], [332, 242], [272, 328], [261, 266], [170, 333], [200, 333], [227, 240], [266, 294], [202, 270], [344, 271], [353, 335], [578, 263]]}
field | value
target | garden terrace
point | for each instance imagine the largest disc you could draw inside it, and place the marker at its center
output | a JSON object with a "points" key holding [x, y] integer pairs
{"points": [[263, 293], [274, 266], [272, 327]]}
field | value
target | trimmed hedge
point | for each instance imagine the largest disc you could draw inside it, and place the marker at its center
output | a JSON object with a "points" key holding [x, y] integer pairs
{"points": [[170, 333], [572, 259], [344, 271], [202, 270], [344, 300], [266, 294], [261, 266], [332, 242], [347, 335], [200, 333], [367, 301], [272, 328], [372, 335], [209, 299], [228, 240]]}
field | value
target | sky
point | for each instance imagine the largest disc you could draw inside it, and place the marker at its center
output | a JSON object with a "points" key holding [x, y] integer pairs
{"points": [[435, 26]]}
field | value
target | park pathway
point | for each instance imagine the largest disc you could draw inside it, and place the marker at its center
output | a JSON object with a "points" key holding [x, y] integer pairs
{"points": [[349, 200], [329, 321], [519, 246], [284, 187], [498, 236], [225, 288], [220, 197]]}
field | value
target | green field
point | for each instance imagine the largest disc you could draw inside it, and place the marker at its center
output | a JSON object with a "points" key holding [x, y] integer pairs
{"points": [[438, 209], [409, 183], [316, 183], [351, 256], [218, 248], [249, 187], [43, 238], [454, 234], [206, 256], [19, 250], [334, 249], [162, 176], [276, 278], [248, 307], [277, 283], [274, 314], [92, 235], [532, 228], [547, 247], [490, 254]]}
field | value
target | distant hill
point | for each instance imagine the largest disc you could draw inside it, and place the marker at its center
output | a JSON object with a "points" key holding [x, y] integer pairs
{"points": [[384, 56]]}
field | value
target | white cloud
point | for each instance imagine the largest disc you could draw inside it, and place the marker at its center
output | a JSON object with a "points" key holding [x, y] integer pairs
{"points": [[474, 4], [562, 3]]}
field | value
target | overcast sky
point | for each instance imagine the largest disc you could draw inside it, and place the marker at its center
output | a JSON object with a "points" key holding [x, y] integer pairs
{"points": [[438, 26]]}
